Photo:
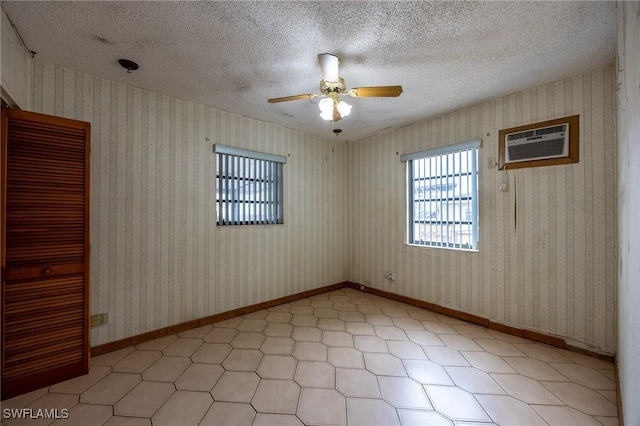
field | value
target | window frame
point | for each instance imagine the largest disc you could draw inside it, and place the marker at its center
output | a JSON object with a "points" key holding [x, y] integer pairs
{"points": [[262, 170], [459, 200]]}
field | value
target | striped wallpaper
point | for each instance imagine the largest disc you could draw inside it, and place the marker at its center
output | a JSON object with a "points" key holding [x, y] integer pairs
{"points": [[157, 257], [547, 254]]}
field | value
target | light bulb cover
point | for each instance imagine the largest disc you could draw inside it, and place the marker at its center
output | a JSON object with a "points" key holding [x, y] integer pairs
{"points": [[344, 108]]}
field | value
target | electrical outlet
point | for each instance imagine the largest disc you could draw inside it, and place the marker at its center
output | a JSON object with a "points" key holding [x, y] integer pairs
{"points": [[492, 163], [391, 276], [99, 319]]}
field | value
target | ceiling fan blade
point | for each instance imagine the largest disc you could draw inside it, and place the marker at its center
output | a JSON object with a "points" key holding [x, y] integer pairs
{"points": [[292, 98], [329, 65], [375, 91]]}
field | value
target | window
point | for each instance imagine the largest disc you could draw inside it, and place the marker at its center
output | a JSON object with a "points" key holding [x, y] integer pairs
{"points": [[248, 187], [443, 196]]}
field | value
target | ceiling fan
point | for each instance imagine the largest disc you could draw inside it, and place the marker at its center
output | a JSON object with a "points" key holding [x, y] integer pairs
{"points": [[332, 86]]}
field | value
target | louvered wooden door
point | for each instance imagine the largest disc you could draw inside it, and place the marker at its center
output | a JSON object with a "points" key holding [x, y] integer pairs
{"points": [[45, 250]]}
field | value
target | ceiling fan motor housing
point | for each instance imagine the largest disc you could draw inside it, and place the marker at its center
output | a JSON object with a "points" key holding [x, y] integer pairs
{"points": [[327, 87]]}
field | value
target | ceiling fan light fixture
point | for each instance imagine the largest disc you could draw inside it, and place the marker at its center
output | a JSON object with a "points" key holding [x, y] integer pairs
{"points": [[344, 108], [326, 108]]}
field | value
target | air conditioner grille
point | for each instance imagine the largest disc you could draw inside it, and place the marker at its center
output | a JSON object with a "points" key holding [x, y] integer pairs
{"points": [[543, 149]]}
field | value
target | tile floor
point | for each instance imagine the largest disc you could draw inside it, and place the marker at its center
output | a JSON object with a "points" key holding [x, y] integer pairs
{"points": [[339, 358]]}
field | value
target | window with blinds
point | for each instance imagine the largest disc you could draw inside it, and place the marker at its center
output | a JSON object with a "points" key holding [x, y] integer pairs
{"points": [[443, 196], [248, 187]]}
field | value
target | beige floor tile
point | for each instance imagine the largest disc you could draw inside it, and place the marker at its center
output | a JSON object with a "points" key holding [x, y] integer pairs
{"points": [[406, 350], [473, 380], [277, 367], [248, 340], [460, 343], [370, 344], [371, 412], [487, 362], [360, 328], [306, 334], [394, 312], [325, 312], [242, 360], [358, 383], [263, 419], [136, 362], [322, 407], [422, 417], [109, 390], [456, 403], [157, 344], [438, 327], [86, 415], [333, 324], [198, 332], [310, 351], [80, 384], [535, 369], [337, 338], [608, 421], [236, 386], [255, 325], [351, 316], [315, 374], [426, 338], [23, 400], [445, 356], [166, 369], [541, 352], [277, 346], [559, 416], [127, 421], [422, 315], [212, 353], [183, 408], [112, 357], [345, 306], [498, 347], [276, 397], [407, 323], [183, 346], [390, 333], [304, 321], [368, 309], [403, 392], [473, 331], [378, 319], [199, 377], [220, 335], [585, 376], [278, 317], [587, 361], [384, 364], [426, 372], [582, 398], [526, 389], [345, 357], [228, 413], [276, 329], [301, 310], [506, 410], [144, 400]]}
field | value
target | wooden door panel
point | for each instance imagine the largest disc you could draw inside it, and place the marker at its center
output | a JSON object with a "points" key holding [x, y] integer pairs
{"points": [[45, 250]]}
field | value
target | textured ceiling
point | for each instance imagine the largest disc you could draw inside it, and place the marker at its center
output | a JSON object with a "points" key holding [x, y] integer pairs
{"points": [[235, 55]]}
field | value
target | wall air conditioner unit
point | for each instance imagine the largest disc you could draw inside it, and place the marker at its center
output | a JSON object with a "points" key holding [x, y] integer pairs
{"points": [[541, 144]]}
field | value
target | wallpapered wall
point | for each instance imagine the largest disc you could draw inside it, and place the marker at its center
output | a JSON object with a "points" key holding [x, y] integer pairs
{"points": [[157, 257], [553, 267]]}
